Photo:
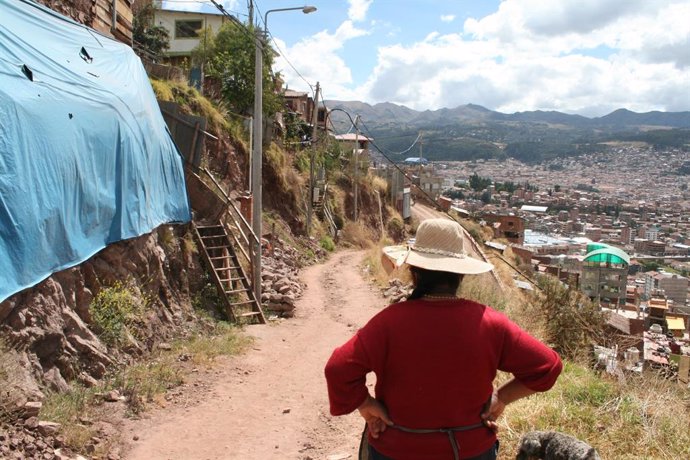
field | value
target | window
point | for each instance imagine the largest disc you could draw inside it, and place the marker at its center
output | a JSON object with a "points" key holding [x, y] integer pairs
{"points": [[187, 29]]}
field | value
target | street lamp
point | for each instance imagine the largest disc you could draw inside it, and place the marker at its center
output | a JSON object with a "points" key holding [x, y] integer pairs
{"points": [[257, 148]]}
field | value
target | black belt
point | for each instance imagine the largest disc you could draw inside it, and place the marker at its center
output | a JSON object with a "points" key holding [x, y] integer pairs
{"points": [[448, 431], [364, 445]]}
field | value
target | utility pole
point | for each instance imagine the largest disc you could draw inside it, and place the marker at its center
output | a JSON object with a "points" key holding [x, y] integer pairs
{"points": [[257, 147], [250, 7], [356, 158], [314, 118]]}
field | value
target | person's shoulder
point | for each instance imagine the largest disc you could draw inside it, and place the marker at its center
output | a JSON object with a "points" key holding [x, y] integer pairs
{"points": [[488, 312]]}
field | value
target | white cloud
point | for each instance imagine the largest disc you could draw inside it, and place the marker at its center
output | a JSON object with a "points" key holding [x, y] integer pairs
{"points": [[447, 17], [317, 59], [358, 9], [581, 56]]}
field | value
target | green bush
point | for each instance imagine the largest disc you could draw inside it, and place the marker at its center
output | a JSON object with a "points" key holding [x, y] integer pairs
{"points": [[327, 243], [114, 310]]}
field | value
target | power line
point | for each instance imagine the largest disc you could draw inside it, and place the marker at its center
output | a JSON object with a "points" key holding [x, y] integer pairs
{"points": [[280, 51]]}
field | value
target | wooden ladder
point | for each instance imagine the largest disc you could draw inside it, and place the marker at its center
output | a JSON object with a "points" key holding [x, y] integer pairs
{"points": [[228, 275]]}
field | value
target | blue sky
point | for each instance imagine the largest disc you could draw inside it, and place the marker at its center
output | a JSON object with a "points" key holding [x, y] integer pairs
{"points": [[576, 56]]}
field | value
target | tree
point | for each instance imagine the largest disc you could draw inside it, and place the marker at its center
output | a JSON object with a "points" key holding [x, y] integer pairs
{"points": [[229, 57], [154, 39], [478, 183]]}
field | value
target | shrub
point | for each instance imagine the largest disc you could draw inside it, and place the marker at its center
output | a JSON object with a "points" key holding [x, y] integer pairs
{"points": [[396, 228], [189, 245], [572, 324], [207, 299], [357, 235], [482, 289], [327, 243], [114, 310]]}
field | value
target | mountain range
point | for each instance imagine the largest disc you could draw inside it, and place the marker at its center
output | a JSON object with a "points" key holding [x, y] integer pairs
{"points": [[472, 131]]}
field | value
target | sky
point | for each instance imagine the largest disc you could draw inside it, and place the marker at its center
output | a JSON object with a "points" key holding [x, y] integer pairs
{"points": [[587, 57]]}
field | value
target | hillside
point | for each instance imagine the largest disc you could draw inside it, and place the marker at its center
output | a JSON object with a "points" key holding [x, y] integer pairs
{"points": [[473, 132]]}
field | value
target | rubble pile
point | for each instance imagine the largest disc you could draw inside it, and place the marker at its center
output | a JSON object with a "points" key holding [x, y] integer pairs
{"points": [[397, 291], [31, 438], [280, 286]]}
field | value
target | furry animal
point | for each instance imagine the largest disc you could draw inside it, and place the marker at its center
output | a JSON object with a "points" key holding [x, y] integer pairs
{"points": [[552, 445]]}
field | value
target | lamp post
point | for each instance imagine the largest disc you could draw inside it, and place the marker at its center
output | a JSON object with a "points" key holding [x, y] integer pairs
{"points": [[257, 148]]}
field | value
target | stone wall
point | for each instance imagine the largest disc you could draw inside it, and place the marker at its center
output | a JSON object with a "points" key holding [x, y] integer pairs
{"points": [[50, 325]]}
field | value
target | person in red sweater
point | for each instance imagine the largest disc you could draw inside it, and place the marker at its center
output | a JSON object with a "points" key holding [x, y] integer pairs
{"points": [[435, 357]]}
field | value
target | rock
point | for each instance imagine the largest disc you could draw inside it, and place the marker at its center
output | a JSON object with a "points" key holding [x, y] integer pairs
{"points": [[281, 283], [31, 423], [164, 346], [48, 428], [32, 408], [6, 308], [112, 396], [55, 381], [86, 380]]}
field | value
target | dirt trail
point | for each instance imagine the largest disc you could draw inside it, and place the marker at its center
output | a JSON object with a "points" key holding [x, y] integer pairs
{"points": [[271, 402]]}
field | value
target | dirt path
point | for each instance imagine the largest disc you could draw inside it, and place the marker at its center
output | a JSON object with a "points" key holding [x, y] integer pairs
{"points": [[271, 402]]}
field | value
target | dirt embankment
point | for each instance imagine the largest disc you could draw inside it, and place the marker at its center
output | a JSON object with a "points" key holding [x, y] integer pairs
{"points": [[271, 402]]}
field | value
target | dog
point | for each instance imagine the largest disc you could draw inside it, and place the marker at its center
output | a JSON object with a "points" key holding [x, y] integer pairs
{"points": [[552, 445]]}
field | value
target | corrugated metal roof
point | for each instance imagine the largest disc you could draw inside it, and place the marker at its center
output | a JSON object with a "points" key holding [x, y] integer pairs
{"points": [[527, 207], [675, 323]]}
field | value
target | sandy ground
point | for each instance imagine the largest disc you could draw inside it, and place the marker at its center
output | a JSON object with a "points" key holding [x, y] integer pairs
{"points": [[271, 402]]}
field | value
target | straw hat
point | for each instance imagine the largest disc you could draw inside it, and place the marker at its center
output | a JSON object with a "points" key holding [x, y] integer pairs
{"points": [[439, 245]]}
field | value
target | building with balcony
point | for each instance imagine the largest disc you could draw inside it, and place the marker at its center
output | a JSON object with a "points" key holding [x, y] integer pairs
{"points": [[604, 275]]}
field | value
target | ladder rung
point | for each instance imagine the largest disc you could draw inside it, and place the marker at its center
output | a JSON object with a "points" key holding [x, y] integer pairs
{"points": [[230, 279], [236, 291], [220, 257], [241, 303], [212, 237], [249, 313], [208, 226], [217, 247], [223, 267]]}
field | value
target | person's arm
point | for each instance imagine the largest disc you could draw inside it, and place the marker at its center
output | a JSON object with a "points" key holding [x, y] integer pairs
{"points": [[376, 416], [535, 368], [346, 372], [508, 393]]}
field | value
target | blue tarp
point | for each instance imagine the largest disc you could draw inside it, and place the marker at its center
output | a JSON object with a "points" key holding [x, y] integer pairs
{"points": [[85, 157]]}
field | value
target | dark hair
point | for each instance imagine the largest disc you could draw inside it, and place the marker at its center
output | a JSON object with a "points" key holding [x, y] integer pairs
{"points": [[426, 281]]}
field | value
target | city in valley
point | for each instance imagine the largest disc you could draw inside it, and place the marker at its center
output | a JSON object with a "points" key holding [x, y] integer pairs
{"points": [[614, 225]]}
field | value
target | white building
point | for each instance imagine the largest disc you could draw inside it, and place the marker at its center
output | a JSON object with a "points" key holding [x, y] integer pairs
{"points": [[185, 27]]}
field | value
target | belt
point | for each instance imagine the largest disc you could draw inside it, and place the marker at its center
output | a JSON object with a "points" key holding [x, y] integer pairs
{"points": [[449, 431]]}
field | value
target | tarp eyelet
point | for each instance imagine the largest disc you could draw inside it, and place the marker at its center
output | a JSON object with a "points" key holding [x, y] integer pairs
{"points": [[85, 55], [28, 72]]}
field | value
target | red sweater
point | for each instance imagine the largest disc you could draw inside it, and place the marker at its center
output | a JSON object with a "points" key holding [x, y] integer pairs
{"points": [[435, 362]]}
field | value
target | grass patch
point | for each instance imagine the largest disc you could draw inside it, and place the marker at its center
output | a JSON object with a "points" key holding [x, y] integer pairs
{"points": [[141, 383], [71, 410], [357, 235], [223, 340], [10, 385], [481, 288], [645, 417]]}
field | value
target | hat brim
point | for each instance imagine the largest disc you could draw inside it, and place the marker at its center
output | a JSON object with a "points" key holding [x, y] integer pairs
{"points": [[465, 266]]}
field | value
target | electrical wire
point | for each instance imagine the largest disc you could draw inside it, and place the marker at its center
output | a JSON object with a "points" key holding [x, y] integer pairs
{"points": [[280, 51], [429, 197]]}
